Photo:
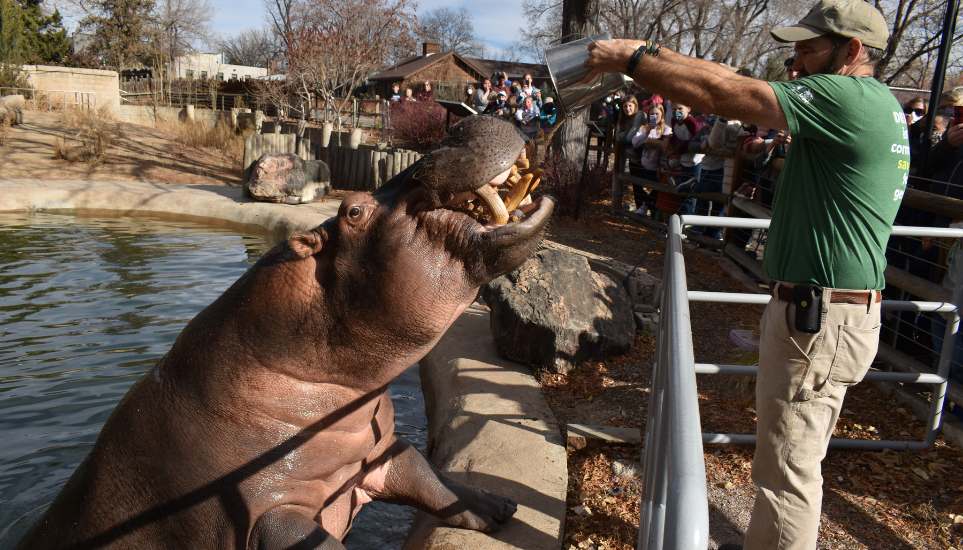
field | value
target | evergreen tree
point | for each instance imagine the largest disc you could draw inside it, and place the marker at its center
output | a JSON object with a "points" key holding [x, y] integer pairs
{"points": [[45, 37], [11, 43], [121, 32]]}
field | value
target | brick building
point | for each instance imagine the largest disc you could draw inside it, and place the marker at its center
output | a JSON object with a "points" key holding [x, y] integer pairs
{"points": [[449, 72]]}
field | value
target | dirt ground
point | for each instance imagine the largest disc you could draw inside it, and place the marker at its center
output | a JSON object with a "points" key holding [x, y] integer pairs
{"points": [[138, 153], [874, 500]]}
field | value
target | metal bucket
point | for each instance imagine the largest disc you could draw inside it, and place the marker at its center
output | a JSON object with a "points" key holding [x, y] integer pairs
{"points": [[566, 68]]}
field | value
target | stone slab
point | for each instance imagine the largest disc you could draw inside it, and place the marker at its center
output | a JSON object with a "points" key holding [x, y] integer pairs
{"points": [[489, 426]]}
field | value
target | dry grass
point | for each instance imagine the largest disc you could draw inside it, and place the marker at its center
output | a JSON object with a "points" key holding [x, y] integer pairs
{"points": [[90, 135], [892, 500], [4, 131], [199, 135]]}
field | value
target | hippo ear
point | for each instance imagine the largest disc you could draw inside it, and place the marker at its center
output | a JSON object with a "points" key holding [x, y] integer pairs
{"points": [[307, 243]]}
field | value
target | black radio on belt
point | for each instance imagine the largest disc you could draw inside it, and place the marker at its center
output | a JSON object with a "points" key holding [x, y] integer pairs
{"points": [[808, 301]]}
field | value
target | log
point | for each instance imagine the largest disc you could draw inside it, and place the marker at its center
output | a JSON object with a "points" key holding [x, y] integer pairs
{"points": [[577, 435], [377, 159], [364, 164], [360, 181]]}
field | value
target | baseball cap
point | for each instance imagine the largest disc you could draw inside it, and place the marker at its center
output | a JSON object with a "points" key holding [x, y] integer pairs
{"points": [[502, 93], [849, 18]]}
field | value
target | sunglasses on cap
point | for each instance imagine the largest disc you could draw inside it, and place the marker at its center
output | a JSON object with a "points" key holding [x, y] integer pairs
{"points": [[909, 110]]}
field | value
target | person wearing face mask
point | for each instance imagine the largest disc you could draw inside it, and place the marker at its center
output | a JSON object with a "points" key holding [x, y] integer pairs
{"points": [[914, 110], [944, 119], [685, 148], [650, 143], [836, 199]]}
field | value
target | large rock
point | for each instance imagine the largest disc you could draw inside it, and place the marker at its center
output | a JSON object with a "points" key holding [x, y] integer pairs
{"points": [[11, 109], [282, 177], [554, 312]]}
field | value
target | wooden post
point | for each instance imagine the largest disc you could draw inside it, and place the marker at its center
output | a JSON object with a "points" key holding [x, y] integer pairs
{"points": [[389, 165]]}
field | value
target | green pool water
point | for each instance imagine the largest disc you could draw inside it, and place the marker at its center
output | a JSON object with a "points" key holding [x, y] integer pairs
{"points": [[87, 305]]}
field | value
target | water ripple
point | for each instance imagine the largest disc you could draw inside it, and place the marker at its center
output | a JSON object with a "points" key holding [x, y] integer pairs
{"points": [[86, 307]]}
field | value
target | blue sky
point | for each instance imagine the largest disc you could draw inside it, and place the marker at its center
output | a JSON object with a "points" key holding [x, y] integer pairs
{"points": [[496, 21]]}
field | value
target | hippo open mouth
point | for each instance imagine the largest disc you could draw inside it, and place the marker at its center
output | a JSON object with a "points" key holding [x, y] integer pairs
{"points": [[506, 198], [479, 203]]}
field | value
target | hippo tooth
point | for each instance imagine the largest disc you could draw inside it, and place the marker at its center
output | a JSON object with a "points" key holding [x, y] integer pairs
{"points": [[519, 192], [494, 203]]}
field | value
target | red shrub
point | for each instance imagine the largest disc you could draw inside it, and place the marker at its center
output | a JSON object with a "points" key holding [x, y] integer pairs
{"points": [[419, 125]]}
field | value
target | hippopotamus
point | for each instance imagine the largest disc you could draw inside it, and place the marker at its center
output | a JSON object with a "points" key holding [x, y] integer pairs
{"points": [[268, 423], [285, 178]]}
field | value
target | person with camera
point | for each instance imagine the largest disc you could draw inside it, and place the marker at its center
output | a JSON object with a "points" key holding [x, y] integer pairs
{"points": [[483, 95], [836, 199]]}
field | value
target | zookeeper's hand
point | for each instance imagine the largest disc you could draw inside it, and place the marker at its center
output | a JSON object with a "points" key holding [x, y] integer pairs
{"points": [[954, 135], [610, 56]]}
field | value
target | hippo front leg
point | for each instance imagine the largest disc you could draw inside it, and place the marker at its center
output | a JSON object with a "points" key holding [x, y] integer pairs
{"points": [[406, 477], [286, 528]]}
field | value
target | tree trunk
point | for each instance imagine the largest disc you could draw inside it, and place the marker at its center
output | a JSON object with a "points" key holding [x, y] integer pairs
{"points": [[572, 137]]}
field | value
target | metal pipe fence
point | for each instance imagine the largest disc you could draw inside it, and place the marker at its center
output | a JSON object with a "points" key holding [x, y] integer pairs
{"points": [[938, 379], [675, 510], [47, 100]]}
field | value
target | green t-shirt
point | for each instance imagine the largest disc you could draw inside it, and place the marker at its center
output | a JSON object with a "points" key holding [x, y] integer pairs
{"points": [[842, 182]]}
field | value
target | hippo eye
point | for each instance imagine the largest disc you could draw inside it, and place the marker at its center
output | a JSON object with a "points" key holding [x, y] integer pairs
{"points": [[354, 212]]}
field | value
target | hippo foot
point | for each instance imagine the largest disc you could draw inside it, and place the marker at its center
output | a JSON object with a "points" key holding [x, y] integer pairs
{"points": [[479, 509]]}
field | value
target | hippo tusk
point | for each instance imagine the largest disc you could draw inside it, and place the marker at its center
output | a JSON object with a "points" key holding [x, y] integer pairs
{"points": [[495, 205], [518, 193]]}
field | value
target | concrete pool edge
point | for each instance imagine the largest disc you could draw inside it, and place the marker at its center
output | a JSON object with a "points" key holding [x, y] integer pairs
{"points": [[489, 424], [219, 204], [490, 427]]}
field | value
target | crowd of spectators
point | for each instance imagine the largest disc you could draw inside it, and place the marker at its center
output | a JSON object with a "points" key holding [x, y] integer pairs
{"points": [[519, 101], [678, 158], [669, 145]]}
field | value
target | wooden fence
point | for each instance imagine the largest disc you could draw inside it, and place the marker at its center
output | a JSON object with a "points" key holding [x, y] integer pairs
{"points": [[364, 168], [367, 167]]}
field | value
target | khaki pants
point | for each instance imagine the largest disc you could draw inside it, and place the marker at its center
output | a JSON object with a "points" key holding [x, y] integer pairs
{"points": [[799, 394]]}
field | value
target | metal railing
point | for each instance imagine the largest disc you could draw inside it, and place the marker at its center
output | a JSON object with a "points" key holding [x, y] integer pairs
{"points": [[675, 510], [938, 379], [54, 99]]}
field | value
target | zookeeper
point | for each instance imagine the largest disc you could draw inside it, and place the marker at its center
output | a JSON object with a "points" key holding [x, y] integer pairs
{"points": [[835, 203]]}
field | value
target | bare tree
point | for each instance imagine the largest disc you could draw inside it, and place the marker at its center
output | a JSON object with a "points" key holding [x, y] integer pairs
{"points": [[451, 27], [283, 21], [339, 43], [181, 24], [254, 48]]}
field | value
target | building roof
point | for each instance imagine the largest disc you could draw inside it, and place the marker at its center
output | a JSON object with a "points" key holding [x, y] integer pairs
{"points": [[514, 70], [411, 65]]}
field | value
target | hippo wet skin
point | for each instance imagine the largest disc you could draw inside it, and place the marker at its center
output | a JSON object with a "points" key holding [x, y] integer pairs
{"points": [[268, 424]]}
